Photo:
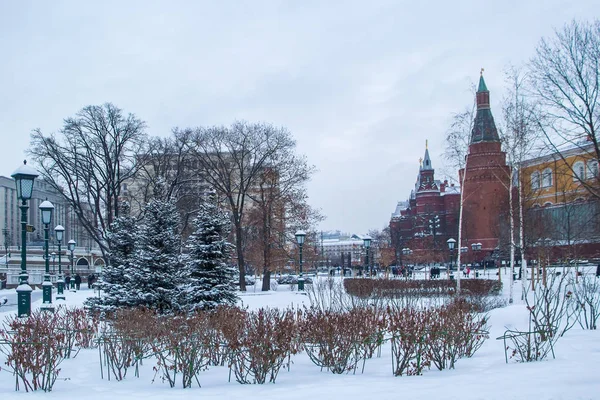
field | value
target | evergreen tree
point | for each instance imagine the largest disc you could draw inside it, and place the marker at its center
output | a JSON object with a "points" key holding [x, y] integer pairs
{"points": [[152, 276], [114, 284], [208, 280]]}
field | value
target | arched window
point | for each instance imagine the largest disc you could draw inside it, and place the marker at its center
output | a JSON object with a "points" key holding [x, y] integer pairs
{"points": [[547, 177], [547, 204], [535, 180], [592, 169], [578, 171]]}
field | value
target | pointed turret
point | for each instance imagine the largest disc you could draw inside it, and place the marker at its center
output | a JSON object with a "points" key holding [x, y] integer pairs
{"points": [[484, 127], [426, 160]]}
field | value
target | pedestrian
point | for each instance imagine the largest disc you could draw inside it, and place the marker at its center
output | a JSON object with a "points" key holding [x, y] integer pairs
{"points": [[77, 281], [90, 280], [67, 281]]}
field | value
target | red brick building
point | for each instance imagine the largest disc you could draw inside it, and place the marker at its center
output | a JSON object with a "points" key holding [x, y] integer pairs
{"points": [[429, 218]]}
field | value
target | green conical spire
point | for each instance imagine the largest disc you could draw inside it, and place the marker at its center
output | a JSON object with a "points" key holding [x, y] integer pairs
{"points": [[482, 86]]}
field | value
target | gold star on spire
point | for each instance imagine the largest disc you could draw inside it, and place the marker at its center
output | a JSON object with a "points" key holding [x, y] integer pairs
{"points": [[420, 161], [425, 144]]}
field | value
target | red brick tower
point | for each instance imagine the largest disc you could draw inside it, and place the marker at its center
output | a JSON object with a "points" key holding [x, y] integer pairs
{"points": [[485, 198]]}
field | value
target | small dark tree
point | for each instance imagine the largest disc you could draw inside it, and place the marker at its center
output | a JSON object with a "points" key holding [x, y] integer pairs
{"points": [[209, 280]]}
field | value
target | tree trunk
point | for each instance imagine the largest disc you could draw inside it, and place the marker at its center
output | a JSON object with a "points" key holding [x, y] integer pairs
{"points": [[240, 254], [512, 237]]}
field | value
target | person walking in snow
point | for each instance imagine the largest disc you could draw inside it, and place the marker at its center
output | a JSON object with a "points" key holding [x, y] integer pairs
{"points": [[77, 281]]}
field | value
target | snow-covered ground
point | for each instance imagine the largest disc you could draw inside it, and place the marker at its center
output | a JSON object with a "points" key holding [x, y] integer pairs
{"points": [[574, 374]]}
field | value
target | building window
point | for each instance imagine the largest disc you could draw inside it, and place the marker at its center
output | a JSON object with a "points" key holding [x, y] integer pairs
{"points": [[547, 177], [592, 169], [578, 171], [535, 180]]}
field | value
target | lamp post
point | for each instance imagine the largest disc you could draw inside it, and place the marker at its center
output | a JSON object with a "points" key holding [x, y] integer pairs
{"points": [[463, 250], [300, 235], [6, 234], [451, 243], [24, 177], [367, 243], [71, 245], [60, 282], [476, 247], [406, 252], [47, 209]]}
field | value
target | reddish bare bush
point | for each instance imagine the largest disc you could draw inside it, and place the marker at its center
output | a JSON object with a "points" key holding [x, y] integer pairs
{"points": [[409, 331], [422, 288], [455, 331], [34, 349], [268, 338], [338, 341]]}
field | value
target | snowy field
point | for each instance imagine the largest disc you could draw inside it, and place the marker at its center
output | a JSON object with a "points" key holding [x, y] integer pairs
{"points": [[574, 374]]}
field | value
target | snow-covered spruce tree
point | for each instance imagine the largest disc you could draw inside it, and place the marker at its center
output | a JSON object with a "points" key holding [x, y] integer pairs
{"points": [[207, 279], [152, 277], [114, 284]]}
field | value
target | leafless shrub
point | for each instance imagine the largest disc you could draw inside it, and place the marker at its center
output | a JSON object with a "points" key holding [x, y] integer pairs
{"points": [[259, 350], [587, 295], [180, 345], [552, 313], [455, 331], [123, 341], [338, 341], [394, 288], [408, 329], [34, 349]]}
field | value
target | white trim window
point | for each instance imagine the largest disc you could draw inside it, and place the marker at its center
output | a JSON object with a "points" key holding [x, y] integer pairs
{"points": [[535, 180], [578, 171], [592, 169], [547, 177]]}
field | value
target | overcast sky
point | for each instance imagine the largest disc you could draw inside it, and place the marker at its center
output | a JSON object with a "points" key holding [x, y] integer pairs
{"points": [[360, 84]]}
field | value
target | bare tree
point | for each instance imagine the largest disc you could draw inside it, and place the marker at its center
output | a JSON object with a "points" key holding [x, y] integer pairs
{"points": [[565, 81], [170, 161], [279, 190], [519, 132], [88, 161], [231, 160]]}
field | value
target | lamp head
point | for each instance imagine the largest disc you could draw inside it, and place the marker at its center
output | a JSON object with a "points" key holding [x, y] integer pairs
{"points": [[300, 236], [47, 210], [24, 177], [71, 245], [451, 243], [59, 230], [367, 241]]}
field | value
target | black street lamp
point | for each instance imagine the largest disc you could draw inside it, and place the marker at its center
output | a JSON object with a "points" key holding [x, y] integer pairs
{"points": [[60, 282], [451, 244], [71, 246], [367, 244], [47, 209], [6, 234], [24, 177], [53, 255], [476, 247], [300, 235]]}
